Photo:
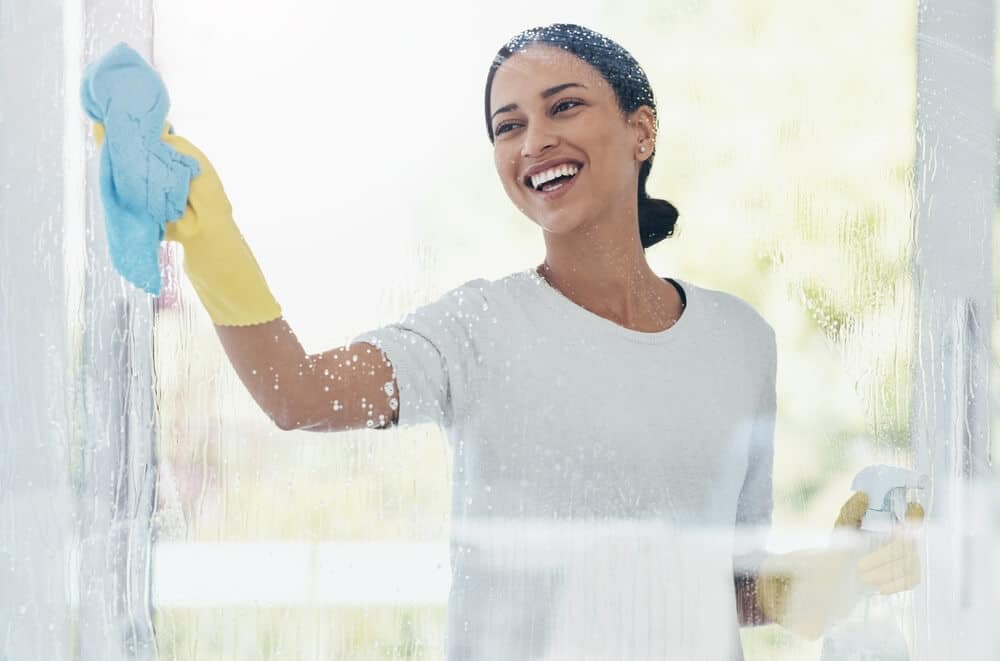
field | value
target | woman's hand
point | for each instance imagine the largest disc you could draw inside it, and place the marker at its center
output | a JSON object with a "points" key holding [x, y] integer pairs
{"points": [[805, 590], [894, 566], [217, 259]]}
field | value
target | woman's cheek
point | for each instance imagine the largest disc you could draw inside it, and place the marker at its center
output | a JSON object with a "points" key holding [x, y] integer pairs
{"points": [[514, 192], [507, 171]]}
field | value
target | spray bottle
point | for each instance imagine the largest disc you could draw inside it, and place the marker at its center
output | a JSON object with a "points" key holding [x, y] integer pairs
{"points": [[871, 631]]}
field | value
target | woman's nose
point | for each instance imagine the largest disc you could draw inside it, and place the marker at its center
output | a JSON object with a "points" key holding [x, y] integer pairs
{"points": [[537, 139]]}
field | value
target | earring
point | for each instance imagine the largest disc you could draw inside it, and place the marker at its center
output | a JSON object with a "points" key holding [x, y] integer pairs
{"points": [[642, 148]]}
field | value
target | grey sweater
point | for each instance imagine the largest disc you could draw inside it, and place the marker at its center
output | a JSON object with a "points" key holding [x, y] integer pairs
{"points": [[605, 479]]}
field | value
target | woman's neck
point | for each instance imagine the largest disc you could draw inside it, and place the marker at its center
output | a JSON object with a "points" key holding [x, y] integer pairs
{"points": [[639, 300]]}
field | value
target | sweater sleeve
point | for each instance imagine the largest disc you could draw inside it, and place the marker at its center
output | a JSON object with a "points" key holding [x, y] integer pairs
{"points": [[434, 351], [756, 500]]}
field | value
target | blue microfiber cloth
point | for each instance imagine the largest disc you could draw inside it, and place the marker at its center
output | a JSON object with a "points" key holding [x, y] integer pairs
{"points": [[144, 181]]}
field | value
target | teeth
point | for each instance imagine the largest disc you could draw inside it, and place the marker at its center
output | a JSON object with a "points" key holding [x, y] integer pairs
{"points": [[537, 180]]}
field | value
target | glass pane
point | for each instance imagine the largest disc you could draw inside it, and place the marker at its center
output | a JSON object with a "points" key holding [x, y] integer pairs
{"points": [[352, 148], [568, 479]]}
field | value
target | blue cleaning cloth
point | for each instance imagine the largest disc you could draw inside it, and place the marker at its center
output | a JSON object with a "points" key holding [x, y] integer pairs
{"points": [[144, 182]]}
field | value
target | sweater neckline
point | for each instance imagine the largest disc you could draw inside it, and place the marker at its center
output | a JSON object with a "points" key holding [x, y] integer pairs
{"points": [[559, 301]]}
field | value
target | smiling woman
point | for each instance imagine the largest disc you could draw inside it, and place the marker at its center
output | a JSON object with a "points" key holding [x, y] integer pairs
{"points": [[661, 477], [677, 500]]}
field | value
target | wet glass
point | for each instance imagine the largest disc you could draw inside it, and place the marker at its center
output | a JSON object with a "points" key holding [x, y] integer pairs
{"points": [[790, 160], [523, 525]]}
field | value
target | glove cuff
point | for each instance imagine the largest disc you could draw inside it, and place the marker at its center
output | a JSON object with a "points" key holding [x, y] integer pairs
{"points": [[233, 290], [773, 588]]}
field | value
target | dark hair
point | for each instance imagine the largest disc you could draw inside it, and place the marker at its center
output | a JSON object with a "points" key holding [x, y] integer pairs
{"points": [[657, 218]]}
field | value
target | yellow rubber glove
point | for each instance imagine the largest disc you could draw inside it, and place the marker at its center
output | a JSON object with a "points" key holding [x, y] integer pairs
{"points": [[806, 590], [217, 259]]}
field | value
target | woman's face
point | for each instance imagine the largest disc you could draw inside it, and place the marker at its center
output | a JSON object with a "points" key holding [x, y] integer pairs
{"points": [[549, 107]]}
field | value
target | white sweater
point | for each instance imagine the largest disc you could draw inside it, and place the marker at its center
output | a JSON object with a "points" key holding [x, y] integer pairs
{"points": [[599, 472]]}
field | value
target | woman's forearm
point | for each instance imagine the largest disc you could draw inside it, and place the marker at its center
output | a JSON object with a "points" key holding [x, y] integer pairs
{"points": [[747, 605]]}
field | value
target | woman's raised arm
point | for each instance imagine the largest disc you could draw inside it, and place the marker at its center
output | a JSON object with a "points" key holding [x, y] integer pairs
{"points": [[329, 391]]}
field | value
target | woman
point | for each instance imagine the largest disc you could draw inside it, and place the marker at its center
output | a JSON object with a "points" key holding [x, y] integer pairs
{"points": [[612, 430]]}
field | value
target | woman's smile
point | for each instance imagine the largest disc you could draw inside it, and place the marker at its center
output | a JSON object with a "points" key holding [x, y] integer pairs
{"points": [[557, 188]]}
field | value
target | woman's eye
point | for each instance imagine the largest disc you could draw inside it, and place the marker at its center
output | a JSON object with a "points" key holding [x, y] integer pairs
{"points": [[502, 128], [557, 108], [563, 103]]}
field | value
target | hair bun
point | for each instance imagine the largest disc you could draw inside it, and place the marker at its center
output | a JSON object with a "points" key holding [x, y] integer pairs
{"points": [[657, 219]]}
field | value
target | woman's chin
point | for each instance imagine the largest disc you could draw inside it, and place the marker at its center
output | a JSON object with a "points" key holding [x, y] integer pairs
{"points": [[558, 223]]}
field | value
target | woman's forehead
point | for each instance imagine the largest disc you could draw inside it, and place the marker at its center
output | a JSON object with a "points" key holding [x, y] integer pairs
{"points": [[537, 68]]}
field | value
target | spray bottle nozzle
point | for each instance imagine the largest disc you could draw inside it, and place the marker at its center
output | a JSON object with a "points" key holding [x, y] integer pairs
{"points": [[886, 487]]}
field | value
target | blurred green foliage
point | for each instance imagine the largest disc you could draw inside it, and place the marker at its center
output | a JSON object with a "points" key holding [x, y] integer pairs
{"points": [[359, 634]]}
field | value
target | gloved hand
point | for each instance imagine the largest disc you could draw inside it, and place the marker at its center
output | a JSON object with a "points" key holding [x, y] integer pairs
{"points": [[805, 590], [217, 260]]}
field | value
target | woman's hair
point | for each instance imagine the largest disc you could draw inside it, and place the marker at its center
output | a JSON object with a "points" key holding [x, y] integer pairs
{"points": [[657, 218]]}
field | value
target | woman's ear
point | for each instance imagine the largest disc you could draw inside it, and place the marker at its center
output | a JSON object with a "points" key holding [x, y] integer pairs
{"points": [[643, 123]]}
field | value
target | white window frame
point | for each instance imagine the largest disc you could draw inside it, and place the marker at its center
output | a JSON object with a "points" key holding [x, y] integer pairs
{"points": [[77, 423], [955, 186]]}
